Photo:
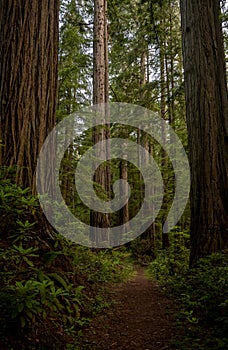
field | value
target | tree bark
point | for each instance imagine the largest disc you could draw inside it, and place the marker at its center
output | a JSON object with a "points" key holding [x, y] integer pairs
{"points": [[165, 236], [124, 212], [28, 82], [100, 96], [207, 122]]}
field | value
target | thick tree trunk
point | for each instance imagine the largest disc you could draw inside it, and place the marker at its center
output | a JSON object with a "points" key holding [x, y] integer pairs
{"points": [[207, 122], [100, 95], [100, 53], [28, 82]]}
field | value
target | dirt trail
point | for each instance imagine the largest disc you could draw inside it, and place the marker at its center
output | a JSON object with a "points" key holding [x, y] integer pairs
{"points": [[141, 319]]}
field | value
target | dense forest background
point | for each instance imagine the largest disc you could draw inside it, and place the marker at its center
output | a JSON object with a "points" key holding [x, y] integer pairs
{"points": [[167, 56]]}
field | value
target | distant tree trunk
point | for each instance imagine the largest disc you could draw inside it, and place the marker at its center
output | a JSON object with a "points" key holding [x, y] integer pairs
{"points": [[124, 212], [207, 122], [144, 141], [100, 95], [165, 237], [28, 82]]}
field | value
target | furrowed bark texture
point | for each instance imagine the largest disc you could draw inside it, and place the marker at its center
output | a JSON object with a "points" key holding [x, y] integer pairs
{"points": [[207, 122], [100, 133], [28, 82]]}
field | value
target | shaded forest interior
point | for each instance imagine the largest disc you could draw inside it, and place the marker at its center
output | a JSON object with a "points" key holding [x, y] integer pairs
{"points": [[147, 82]]}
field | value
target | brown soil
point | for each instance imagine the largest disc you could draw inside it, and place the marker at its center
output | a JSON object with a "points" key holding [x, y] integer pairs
{"points": [[140, 319]]}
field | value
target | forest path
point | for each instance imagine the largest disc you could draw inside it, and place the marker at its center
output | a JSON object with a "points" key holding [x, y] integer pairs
{"points": [[140, 319]]}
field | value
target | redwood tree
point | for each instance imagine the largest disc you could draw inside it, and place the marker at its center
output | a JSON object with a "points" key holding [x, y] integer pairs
{"points": [[28, 82], [100, 96], [207, 122]]}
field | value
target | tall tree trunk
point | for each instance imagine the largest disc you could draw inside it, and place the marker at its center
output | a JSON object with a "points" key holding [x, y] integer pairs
{"points": [[100, 95], [207, 122], [28, 82], [165, 237], [100, 54], [149, 234]]}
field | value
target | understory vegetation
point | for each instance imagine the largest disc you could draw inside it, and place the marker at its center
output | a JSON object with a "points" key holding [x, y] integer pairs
{"points": [[50, 288], [201, 294]]}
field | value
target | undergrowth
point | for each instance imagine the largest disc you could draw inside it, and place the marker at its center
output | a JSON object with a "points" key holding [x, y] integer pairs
{"points": [[49, 289], [202, 296]]}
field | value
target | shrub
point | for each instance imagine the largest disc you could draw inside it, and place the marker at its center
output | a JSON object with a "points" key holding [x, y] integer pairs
{"points": [[48, 291], [203, 298], [171, 262]]}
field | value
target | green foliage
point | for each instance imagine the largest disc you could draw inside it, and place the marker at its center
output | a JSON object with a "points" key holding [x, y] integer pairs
{"points": [[171, 262], [16, 208], [106, 265], [142, 250], [202, 295], [75, 63], [47, 294], [29, 296], [30, 302]]}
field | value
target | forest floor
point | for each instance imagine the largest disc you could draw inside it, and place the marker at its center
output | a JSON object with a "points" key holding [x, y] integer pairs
{"points": [[141, 318]]}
